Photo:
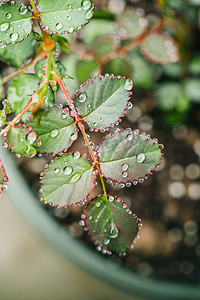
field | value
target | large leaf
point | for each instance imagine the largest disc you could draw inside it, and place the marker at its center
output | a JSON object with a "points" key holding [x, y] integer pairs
{"points": [[3, 178], [101, 101], [160, 48], [56, 130], [111, 223], [20, 90], [16, 54], [22, 140], [68, 180], [128, 157], [131, 24], [65, 16], [15, 22]]}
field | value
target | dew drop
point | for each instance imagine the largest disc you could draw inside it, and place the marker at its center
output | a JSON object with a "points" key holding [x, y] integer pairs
{"points": [[125, 167], [124, 174], [140, 158], [75, 178], [90, 218], [111, 199], [76, 155], [141, 180], [67, 170], [101, 119], [81, 223], [98, 204], [86, 4], [69, 18], [82, 97], [56, 170], [128, 184], [5, 145], [129, 137], [4, 26], [54, 133], [71, 29], [89, 15], [128, 84], [80, 9], [113, 231], [59, 26], [63, 116], [122, 185], [73, 136], [31, 137], [106, 241], [98, 248], [8, 15], [14, 36], [79, 27], [95, 124], [135, 182], [130, 105], [69, 6], [22, 9]]}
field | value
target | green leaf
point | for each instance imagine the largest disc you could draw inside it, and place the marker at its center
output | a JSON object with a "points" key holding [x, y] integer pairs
{"points": [[15, 22], [40, 68], [103, 46], [22, 140], [173, 70], [20, 90], [194, 65], [142, 71], [101, 101], [6, 110], [3, 178], [97, 28], [1, 88], [128, 156], [68, 180], [171, 95], [111, 224], [62, 16], [131, 24], [116, 66], [62, 42], [192, 89], [16, 54], [70, 61], [56, 130], [85, 69], [165, 50]]}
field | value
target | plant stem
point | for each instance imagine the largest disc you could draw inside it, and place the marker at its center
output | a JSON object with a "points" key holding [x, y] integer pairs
{"points": [[80, 125]]}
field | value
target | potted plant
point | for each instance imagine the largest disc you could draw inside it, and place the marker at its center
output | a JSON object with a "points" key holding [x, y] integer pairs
{"points": [[123, 157]]}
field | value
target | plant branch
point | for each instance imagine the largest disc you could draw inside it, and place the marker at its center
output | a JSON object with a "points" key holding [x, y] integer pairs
{"points": [[80, 125]]}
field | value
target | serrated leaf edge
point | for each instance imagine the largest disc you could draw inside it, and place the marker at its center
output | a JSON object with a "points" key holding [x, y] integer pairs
{"points": [[76, 203], [129, 211], [147, 174], [93, 80]]}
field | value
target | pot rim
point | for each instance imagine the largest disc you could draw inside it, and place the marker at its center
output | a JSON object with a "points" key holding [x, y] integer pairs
{"points": [[79, 254]]}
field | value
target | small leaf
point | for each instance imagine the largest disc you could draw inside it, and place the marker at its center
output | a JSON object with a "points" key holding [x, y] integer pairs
{"points": [[15, 22], [86, 68], [20, 90], [128, 157], [160, 48], [40, 68], [192, 89], [170, 96], [103, 46], [68, 180], [97, 28], [61, 16], [16, 54], [22, 140], [62, 42], [118, 65], [131, 24], [101, 101], [6, 107], [3, 178], [56, 130], [111, 224], [6, 110]]}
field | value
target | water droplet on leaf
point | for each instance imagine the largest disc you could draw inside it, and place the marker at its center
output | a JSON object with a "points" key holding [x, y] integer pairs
{"points": [[31, 137], [76, 155], [82, 97], [14, 36], [56, 170], [71, 29], [140, 158], [54, 133], [22, 9], [98, 204], [59, 26], [113, 231], [124, 174], [86, 4], [69, 18], [128, 84], [111, 199], [4, 26], [67, 170], [125, 167], [73, 136], [75, 178], [8, 15], [129, 137], [106, 241]]}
